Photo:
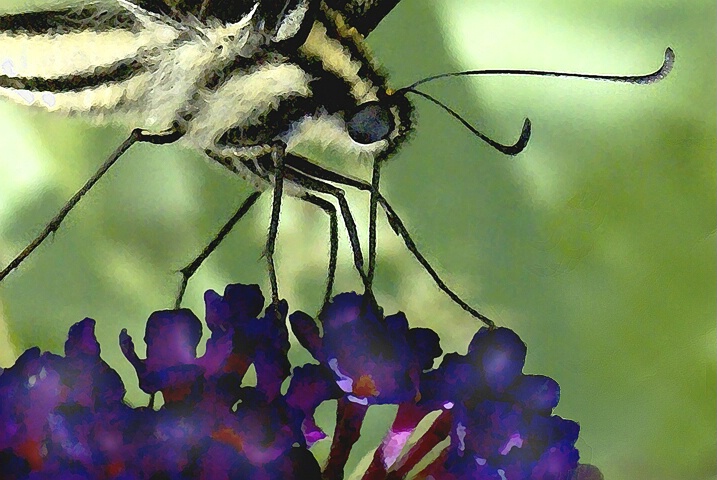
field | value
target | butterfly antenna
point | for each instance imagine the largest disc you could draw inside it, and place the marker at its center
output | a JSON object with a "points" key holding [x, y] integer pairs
{"points": [[514, 149], [519, 146], [656, 76]]}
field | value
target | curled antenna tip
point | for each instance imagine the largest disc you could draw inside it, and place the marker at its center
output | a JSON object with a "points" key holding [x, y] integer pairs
{"points": [[522, 142], [668, 63], [514, 149], [662, 72], [669, 55]]}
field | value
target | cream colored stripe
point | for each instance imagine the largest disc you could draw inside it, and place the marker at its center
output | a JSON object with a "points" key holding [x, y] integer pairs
{"points": [[337, 59], [98, 102], [52, 56], [243, 99]]}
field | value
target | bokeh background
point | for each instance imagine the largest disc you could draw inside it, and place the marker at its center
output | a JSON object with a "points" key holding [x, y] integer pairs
{"points": [[597, 244]]}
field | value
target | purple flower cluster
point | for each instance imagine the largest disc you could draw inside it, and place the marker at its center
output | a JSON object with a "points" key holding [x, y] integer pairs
{"points": [[63, 417]]}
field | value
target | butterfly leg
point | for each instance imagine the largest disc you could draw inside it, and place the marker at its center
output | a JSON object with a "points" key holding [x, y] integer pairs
{"points": [[401, 230], [373, 207], [330, 209], [188, 270], [304, 171], [235, 160], [137, 136], [340, 196], [269, 166], [277, 156]]}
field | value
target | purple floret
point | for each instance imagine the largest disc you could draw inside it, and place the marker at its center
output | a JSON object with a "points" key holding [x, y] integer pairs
{"points": [[64, 417]]}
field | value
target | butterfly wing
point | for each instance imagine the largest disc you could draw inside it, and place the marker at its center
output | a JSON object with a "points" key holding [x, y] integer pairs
{"points": [[115, 60], [96, 58], [364, 15], [228, 11], [271, 16]]}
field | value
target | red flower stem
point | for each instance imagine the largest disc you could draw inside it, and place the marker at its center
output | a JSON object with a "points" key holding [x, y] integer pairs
{"points": [[438, 431], [409, 415], [349, 418]]}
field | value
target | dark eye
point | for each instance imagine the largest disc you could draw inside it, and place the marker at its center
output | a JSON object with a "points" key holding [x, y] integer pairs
{"points": [[370, 123]]}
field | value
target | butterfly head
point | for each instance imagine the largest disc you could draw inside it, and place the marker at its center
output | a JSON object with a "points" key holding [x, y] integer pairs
{"points": [[356, 114]]}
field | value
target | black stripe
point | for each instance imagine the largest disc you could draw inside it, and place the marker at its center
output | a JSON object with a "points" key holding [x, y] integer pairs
{"points": [[214, 78], [329, 94], [271, 124], [228, 11], [239, 65], [337, 94], [333, 97], [110, 74], [71, 20], [328, 89], [357, 52]]}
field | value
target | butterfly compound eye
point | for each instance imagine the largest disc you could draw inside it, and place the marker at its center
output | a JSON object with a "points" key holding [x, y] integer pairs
{"points": [[370, 123]]}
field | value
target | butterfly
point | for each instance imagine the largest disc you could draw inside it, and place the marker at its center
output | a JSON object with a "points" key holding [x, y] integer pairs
{"points": [[248, 84]]}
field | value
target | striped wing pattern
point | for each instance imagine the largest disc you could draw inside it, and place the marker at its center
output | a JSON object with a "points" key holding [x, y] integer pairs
{"points": [[111, 60], [235, 89]]}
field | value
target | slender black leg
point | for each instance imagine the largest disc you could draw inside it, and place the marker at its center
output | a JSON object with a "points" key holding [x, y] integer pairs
{"points": [[401, 230], [351, 230], [349, 223], [278, 160], [188, 270], [329, 208], [375, 181], [302, 172], [137, 135]]}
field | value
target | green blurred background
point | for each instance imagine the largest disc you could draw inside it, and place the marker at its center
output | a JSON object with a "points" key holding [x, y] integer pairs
{"points": [[597, 244]]}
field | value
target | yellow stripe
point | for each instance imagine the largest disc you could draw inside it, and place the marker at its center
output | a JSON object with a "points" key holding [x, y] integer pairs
{"points": [[337, 59]]}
